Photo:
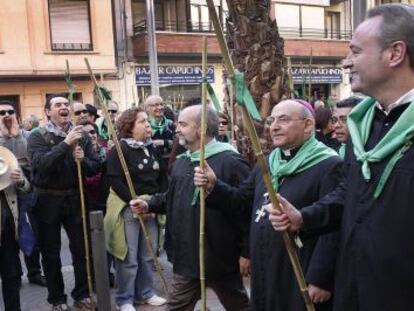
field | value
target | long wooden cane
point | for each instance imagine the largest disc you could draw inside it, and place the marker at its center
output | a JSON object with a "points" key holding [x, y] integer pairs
{"points": [[202, 165], [83, 206], [121, 157], [290, 246]]}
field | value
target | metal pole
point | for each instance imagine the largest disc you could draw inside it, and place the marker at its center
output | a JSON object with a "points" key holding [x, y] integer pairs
{"points": [[100, 262], [152, 48]]}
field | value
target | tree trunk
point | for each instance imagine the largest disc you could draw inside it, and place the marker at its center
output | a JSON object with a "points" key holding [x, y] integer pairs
{"points": [[257, 50]]}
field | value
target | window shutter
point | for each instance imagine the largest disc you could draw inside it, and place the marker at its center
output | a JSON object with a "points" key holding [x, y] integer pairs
{"points": [[69, 25]]}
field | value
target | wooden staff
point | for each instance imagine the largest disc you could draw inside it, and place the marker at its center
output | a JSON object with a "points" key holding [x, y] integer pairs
{"points": [[310, 77], [121, 157], [202, 165], [82, 201], [290, 246]]}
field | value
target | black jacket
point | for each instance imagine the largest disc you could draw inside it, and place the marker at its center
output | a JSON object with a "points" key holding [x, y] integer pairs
{"points": [[225, 240], [55, 175], [375, 268], [273, 284]]}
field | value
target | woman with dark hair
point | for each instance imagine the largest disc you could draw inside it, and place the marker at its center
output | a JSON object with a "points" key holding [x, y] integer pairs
{"points": [[324, 128], [124, 235]]}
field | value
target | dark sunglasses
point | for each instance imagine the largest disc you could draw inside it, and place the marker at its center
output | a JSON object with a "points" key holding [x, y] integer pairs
{"points": [[78, 113], [9, 112], [112, 111], [92, 132]]}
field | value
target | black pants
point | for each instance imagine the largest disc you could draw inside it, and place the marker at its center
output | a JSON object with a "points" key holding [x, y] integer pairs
{"points": [[50, 246], [10, 269], [33, 263], [186, 292]]}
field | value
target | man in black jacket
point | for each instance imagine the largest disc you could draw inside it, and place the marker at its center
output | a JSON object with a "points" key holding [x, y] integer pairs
{"points": [[373, 205], [225, 242], [53, 151]]}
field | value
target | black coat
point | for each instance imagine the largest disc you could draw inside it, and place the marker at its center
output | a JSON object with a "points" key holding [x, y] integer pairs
{"points": [[54, 170], [224, 240], [375, 268], [273, 284]]}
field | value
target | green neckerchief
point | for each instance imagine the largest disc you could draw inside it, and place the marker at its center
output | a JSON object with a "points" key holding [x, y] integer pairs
{"points": [[211, 149], [341, 151], [310, 153], [159, 127], [396, 142]]}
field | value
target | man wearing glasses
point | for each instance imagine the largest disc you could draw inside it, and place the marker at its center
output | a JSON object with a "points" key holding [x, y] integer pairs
{"points": [[339, 117], [80, 113], [163, 129], [53, 151], [113, 111], [302, 169]]}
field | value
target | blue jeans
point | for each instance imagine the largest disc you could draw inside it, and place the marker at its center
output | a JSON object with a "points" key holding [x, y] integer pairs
{"points": [[134, 274]]}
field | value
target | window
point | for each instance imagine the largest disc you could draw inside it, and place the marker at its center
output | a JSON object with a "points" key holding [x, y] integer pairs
{"points": [[200, 17], [70, 28], [139, 12]]}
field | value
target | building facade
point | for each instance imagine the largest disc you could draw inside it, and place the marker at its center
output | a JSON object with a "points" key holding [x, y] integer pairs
{"points": [[36, 39], [319, 27]]}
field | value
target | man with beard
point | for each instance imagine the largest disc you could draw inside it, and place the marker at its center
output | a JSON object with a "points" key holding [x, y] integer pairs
{"points": [[224, 238], [373, 205], [53, 151], [303, 170]]}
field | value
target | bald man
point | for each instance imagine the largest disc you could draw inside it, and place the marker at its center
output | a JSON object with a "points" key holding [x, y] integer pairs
{"points": [[302, 169], [225, 246]]}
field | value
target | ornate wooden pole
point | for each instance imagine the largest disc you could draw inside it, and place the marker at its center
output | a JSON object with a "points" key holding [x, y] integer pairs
{"points": [[290, 246]]}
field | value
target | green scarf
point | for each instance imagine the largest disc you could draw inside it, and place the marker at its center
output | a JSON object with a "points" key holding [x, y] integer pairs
{"points": [[310, 153], [396, 142], [341, 151], [159, 127], [211, 149]]}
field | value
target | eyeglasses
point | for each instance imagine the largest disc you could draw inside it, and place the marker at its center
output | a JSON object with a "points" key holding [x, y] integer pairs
{"points": [[79, 112], [281, 120], [92, 132], [10, 112], [340, 119], [112, 111]]}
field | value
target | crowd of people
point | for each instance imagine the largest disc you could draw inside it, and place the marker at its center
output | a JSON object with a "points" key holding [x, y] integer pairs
{"points": [[343, 175]]}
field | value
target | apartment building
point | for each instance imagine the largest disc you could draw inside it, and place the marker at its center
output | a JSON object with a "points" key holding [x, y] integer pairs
{"points": [[36, 39], [323, 26]]}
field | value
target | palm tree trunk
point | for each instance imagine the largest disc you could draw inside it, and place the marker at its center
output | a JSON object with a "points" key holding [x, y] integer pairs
{"points": [[257, 50]]}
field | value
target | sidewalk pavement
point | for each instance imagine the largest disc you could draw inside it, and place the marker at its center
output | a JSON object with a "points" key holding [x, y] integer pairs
{"points": [[33, 297]]}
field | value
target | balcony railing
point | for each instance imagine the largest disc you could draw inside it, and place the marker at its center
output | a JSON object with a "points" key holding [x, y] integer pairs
{"points": [[188, 26], [314, 33], [287, 32]]}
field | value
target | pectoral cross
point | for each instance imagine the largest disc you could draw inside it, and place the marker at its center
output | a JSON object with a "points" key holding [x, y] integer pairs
{"points": [[261, 212]]}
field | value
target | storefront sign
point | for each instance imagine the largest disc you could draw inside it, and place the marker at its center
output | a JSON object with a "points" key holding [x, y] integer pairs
{"points": [[318, 75], [177, 74]]}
